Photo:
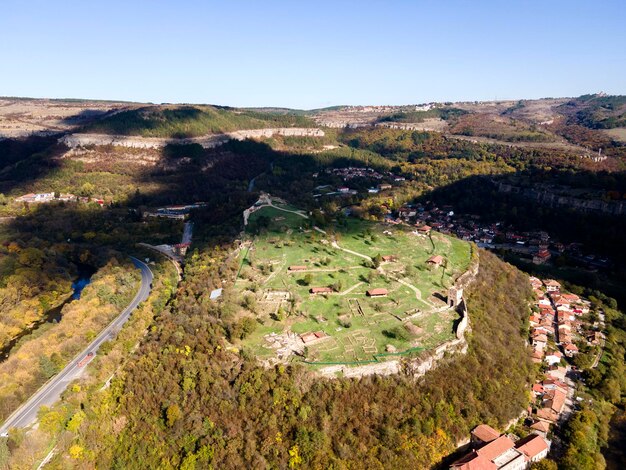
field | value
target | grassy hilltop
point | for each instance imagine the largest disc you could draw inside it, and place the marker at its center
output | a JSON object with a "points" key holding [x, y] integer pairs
{"points": [[349, 261]]}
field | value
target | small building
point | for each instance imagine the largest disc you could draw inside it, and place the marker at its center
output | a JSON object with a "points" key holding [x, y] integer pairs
{"points": [[320, 290], [389, 258], [554, 358], [436, 260], [483, 434], [537, 390], [383, 187], [380, 292], [541, 257], [534, 448], [424, 229], [297, 268], [570, 349], [541, 427], [552, 285], [547, 415], [500, 452]]}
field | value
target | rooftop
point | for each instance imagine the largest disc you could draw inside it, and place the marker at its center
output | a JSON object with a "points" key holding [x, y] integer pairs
{"points": [[485, 433]]}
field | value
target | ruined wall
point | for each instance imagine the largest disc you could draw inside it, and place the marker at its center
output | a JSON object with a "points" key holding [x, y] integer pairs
{"points": [[207, 141], [419, 366]]}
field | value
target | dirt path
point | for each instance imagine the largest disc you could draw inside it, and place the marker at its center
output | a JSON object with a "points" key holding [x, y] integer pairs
{"points": [[347, 291], [304, 216], [335, 245]]}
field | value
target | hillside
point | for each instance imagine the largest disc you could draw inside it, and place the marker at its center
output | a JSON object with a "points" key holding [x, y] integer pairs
{"points": [[190, 121], [212, 407]]}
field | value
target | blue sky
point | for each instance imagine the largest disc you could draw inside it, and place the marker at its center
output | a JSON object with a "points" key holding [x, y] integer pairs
{"points": [[308, 54]]}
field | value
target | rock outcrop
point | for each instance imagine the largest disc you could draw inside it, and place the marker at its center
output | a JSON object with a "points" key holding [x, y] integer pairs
{"points": [[206, 141]]}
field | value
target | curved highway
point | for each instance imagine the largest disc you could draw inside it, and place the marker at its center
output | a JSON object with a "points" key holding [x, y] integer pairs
{"points": [[52, 390]]}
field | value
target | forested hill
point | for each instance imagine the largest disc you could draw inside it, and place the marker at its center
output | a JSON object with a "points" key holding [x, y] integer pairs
{"points": [[191, 121], [186, 402]]}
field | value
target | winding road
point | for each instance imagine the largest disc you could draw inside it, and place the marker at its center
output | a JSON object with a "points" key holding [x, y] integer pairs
{"points": [[50, 392]]}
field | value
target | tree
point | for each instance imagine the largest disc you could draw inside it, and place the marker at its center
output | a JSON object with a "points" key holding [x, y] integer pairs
{"points": [[545, 464], [76, 452], [294, 457], [74, 422], [32, 257], [308, 279], [87, 189], [377, 260], [173, 414]]}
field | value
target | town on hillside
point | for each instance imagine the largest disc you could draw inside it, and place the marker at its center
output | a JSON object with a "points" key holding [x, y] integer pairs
{"points": [[563, 326], [538, 246], [45, 198]]}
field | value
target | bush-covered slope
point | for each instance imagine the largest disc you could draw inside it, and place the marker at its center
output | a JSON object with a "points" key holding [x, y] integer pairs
{"points": [[190, 121], [188, 403]]}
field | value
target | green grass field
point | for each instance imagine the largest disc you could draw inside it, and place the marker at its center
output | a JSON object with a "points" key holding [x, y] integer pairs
{"points": [[357, 327]]}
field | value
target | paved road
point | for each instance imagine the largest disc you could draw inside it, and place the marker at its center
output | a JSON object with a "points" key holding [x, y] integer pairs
{"points": [[52, 390]]}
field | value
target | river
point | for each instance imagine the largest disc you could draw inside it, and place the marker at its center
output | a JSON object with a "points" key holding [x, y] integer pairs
{"points": [[54, 315]]}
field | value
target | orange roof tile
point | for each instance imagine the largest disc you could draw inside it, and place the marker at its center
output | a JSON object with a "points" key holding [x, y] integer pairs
{"points": [[485, 433], [496, 448], [531, 446]]}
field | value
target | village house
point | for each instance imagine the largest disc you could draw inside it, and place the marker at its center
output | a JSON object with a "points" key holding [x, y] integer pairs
{"points": [[36, 198], [534, 448], [541, 257], [493, 451], [547, 415], [570, 349], [483, 434], [540, 341], [537, 356], [557, 373], [553, 358], [552, 285], [555, 400], [570, 298], [537, 390], [541, 427]]}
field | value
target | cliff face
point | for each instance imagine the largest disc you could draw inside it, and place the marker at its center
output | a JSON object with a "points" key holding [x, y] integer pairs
{"points": [[207, 141], [551, 199]]}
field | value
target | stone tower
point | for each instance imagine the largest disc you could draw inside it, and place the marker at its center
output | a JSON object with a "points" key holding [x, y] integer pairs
{"points": [[455, 295]]}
